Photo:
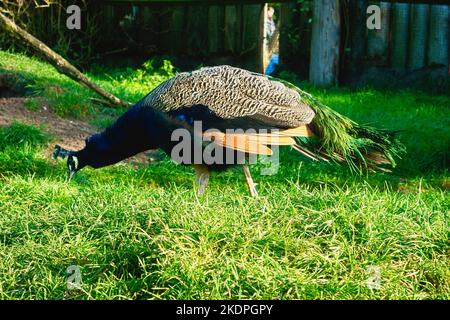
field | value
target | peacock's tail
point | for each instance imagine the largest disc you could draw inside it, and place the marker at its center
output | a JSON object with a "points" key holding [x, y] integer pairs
{"points": [[340, 139]]}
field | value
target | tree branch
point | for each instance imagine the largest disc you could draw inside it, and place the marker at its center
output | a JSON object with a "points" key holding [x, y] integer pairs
{"points": [[61, 64]]}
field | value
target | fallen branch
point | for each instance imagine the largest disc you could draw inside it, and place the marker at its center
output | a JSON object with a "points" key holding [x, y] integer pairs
{"points": [[61, 64]]}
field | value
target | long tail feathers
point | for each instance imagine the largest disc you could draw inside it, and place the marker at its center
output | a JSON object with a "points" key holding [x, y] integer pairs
{"points": [[341, 140]]}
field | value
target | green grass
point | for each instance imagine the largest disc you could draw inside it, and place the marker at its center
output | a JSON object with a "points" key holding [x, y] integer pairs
{"points": [[32, 104], [314, 232], [68, 98]]}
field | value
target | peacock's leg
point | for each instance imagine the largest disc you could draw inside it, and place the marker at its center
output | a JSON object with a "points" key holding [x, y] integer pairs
{"points": [[248, 178], [202, 178]]}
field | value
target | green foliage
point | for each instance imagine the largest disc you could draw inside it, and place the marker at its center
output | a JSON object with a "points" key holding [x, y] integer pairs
{"points": [[45, 20]]}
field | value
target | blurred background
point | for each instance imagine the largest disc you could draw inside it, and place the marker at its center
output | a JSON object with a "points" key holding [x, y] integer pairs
{"points": [[410, 50]]}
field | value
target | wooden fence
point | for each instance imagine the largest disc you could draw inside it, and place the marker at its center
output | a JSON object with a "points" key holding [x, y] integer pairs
{"points": [[412, 37], [416, 35], [213, 34]]}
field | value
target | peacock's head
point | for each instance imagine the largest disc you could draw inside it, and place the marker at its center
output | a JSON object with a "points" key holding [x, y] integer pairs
{"points": [[73, 160]]}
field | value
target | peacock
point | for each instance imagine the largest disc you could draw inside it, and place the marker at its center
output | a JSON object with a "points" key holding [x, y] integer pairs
{"points": [[242, 114]]}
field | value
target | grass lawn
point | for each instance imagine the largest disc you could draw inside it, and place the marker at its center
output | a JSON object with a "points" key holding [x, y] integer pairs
{"points": [[315, 232]]}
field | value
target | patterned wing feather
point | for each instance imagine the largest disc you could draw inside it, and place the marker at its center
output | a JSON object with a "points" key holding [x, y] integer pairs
{"points": [[231, 92]]}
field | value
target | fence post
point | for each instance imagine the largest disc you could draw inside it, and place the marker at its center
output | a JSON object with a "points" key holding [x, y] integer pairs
{"points": [[400, 36], [177, 30], [252, 43], [439, 34], [213, 28], [419, 30], [230, 28], [358, 28], [325, 43], [378, 39]]}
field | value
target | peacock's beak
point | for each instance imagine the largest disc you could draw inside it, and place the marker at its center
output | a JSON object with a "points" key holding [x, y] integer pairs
{"points": [[60, 152], [72, 161]]}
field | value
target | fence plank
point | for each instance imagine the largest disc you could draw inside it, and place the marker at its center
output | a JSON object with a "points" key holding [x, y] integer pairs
{"points": [[230, 28], [400, 33], [213, 28], [177, 29], [358, 29], [439, 34], [378, 39], [164, 19], [418, 37], [196, 31], [325, 43], [251, 42]]}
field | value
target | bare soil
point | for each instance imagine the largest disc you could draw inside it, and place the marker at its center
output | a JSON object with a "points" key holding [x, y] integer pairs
{"points": [[70, 134]]}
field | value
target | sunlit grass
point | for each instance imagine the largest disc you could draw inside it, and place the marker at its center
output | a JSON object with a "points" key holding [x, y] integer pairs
{"points": [[315, 232], [70, 99]]}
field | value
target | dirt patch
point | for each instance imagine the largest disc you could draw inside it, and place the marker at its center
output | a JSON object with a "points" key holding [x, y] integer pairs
{"points": [[69, 134]]}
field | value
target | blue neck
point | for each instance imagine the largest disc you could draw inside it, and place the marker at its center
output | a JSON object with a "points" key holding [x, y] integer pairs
{"points": [[137, 130]]}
